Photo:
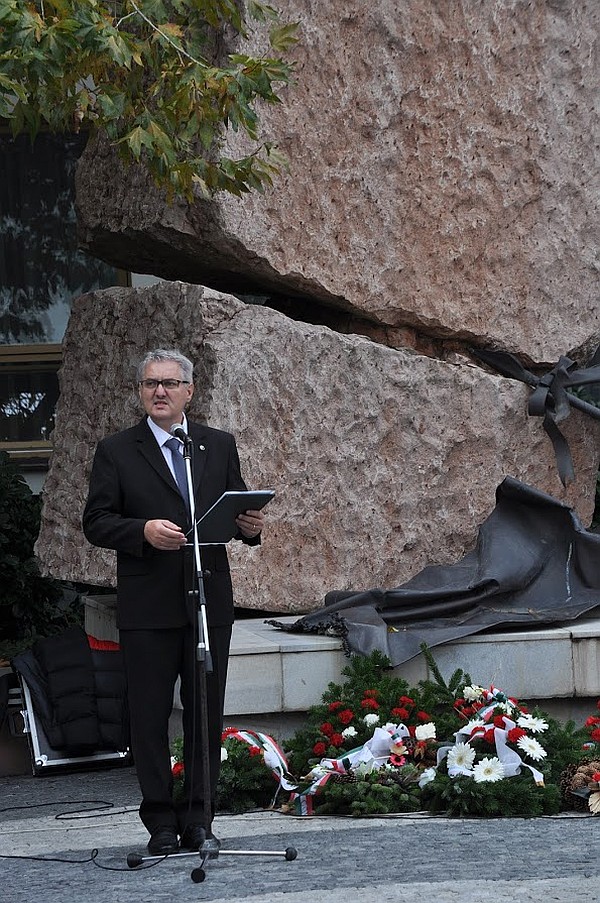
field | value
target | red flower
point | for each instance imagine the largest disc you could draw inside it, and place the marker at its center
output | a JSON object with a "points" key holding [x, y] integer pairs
{"points": [[592, 721], [595, 735], [468, 711], [398, 761], [319, 749], [406, 700], [458, 703], [400, 713], [334, 706], [326, 728], [489, 736], [255, 751], [346, 716], [499, 721], [337, 740], [228, 731], [596, 776], [177, 769], [423, 716], [369, 703], [515, 733], [371, 693]]}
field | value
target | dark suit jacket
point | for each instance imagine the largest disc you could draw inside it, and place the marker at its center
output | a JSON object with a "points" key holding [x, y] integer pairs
{"points": [[131, 483]]}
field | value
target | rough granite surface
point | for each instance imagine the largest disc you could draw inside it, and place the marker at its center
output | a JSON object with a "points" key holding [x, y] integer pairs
{"points": [[443, 180], [383, 460]]}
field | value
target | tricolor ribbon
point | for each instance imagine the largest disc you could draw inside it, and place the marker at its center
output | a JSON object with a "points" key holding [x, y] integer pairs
{"points": [[272, 753], [373, 755]]}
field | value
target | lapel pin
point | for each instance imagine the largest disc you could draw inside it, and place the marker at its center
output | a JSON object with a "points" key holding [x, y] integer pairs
{"points": [[201, 447]]}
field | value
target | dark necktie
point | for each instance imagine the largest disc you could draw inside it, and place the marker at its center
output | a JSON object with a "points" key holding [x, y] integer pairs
{"points": [[174, 446]]}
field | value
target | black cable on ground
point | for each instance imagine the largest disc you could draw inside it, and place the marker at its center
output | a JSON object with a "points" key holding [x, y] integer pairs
{"points": [[91, 858], [99, 807]]}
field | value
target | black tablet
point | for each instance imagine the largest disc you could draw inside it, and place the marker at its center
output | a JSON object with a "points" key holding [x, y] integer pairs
{"points": [[218, 524]]}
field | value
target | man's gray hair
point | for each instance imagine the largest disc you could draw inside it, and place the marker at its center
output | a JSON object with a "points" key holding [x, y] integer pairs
{"points": [[162, 354]]}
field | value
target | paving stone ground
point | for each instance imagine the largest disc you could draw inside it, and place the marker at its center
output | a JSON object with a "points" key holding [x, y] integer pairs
{"points": [[47, 842]]}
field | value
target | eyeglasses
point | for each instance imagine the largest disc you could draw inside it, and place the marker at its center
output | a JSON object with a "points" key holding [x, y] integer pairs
{"points": [[152, 384]]}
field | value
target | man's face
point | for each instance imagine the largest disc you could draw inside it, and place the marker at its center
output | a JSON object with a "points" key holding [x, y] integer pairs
{"points": [[165, 406]]}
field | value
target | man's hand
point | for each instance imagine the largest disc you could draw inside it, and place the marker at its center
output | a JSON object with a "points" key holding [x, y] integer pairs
{"points": [[164, 535], [250, 523]]}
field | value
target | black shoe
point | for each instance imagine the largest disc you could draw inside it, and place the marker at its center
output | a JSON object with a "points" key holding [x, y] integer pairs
{"points": [[163, 841], [193, 837], [211, 845]]}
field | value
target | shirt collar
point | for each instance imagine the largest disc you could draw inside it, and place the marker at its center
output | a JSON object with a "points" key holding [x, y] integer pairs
{"points": [[161, 435]]}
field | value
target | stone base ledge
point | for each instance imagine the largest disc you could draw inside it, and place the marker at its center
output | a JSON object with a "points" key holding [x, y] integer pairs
{"points": [[272, 672], [274, 676]]}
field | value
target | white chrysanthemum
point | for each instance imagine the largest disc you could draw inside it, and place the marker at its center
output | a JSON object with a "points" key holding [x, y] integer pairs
{"points": [[349, 732], [461, 756], [531, 748], [371, 719], [472, 693], [533, 724], [425, 731], [427, 776], [224, 754], [488, 770]]}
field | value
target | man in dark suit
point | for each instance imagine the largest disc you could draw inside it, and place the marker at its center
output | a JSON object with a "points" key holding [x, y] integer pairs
{"points": [[136, 507]]}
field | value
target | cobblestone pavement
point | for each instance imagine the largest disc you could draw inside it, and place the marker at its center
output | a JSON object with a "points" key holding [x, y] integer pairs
{"points": [[340, 860]]}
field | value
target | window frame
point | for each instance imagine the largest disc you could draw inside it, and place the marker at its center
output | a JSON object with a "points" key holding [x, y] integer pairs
{"points": [[32, 453]]}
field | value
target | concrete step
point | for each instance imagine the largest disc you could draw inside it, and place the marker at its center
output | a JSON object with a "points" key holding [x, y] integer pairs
{"points": [[274, 675], [559, 667]]}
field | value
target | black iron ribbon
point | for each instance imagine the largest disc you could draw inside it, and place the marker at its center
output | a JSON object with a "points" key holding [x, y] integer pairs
{"points": [[550, 398]]}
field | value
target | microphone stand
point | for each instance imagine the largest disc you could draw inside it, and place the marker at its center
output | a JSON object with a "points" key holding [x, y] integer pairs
{"points": [[204, 666]]}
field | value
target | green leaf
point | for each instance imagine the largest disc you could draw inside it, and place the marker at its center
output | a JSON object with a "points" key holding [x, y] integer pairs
{"points": [[12, 87], [111, 105], [282, 37], [135, 140], [7, 9], [261, 11]]}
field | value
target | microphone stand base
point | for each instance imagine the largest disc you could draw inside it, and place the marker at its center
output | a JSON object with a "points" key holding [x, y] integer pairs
{"points": [[210, 849]]}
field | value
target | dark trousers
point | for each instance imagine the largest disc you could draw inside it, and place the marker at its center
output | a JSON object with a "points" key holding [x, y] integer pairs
{"points": [[154, 659]]}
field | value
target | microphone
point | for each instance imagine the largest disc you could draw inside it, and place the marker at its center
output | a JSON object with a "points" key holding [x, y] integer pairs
{"points": [[178, 431]]}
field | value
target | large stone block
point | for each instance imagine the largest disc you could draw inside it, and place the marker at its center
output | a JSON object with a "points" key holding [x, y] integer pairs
{"points": [[443, 180], [383, 460]]}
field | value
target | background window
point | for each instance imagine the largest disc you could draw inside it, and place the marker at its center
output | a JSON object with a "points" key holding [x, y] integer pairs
{"points": [[41, 267], [28, 394], [41, 271]]}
